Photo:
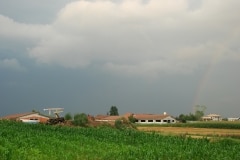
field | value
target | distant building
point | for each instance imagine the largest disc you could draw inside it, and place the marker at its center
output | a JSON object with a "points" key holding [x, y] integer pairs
{"points": [[29, 117], [154, 118], [140, 118], [233, 119], [212, 117]]}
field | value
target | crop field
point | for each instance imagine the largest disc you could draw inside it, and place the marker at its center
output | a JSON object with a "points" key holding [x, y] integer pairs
{"points": [[210, 124], [197, 129], [203, 132], [40, 142]]}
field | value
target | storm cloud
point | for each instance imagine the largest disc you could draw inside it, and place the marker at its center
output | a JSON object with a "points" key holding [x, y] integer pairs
{"points": [[148, 39]]}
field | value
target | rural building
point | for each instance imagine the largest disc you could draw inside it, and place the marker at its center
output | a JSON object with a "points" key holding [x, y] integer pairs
{"points": [[154, 118], [234, 119], [29, 117], [140, 118], [212, 117]]}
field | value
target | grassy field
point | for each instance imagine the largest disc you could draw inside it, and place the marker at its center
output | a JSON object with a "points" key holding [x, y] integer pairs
{"points": [[203, 132], [40, 142], [197, 129], [200, 124]]}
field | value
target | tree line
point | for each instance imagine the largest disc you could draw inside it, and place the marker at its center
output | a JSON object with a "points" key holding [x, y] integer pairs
{"points": [[199, 111], [81, 119]]}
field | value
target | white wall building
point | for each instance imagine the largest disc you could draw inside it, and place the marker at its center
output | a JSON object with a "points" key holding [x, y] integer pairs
{"points": [[154, 118], [233, 119], [212, 117], [29, 117]]}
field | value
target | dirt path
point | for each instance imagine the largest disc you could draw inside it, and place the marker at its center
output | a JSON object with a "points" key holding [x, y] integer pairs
{"points": [[193, 131]]}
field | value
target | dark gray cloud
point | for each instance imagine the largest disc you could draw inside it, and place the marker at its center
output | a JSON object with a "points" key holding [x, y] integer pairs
{"points": [[143, 56]]}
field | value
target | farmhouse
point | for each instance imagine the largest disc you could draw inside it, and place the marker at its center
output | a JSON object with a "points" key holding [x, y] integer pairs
{"points": [[154, 118], [29, 117], [212, 117]]}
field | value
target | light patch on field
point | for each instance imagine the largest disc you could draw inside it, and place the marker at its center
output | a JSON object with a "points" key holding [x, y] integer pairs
{"points": [[200, 132]]}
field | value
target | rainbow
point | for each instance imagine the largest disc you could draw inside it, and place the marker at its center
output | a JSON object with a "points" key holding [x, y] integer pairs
{"points": [[219, 51]]}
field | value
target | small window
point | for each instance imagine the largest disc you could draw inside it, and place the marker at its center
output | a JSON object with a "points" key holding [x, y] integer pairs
{"points": [[150, 120], [164, 120], [158, 120], [173, 121], [143, 121]]}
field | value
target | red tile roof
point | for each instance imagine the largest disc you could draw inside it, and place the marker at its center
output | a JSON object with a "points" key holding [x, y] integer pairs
{"points": [[100, 116], [15, 116], [137, 116], [18, 115], [109, 118], [150, 116], [112, 118]]}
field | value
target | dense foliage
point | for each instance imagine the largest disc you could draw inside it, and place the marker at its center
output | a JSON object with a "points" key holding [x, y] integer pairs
{"points": [[80, 119], [113, 111], [198, 114], [68, 116], [41, 142], [132, 119]]}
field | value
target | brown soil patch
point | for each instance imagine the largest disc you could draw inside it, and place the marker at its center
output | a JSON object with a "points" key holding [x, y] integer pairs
{"points": [[192, 131]]}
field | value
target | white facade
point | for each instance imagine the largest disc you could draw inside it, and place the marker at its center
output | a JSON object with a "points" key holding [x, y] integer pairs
{"points": [[233, 119], [30, 120], [212, 117], [33, 118], [165, 120]]}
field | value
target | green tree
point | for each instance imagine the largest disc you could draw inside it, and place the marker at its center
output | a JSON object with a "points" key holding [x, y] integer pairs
{"points": [[35, 111], [199, 111], [182, 118], [132, 119], [80, 119], [68, 116], [191, 117], [119, 124], [113, 111], [186, 117]]}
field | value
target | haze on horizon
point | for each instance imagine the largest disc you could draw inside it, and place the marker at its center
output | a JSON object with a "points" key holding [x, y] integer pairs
{"points": [[143, 56]]}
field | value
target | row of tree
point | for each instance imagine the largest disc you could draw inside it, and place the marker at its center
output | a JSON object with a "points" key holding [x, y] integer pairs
{"points": [[81, 119], [199, 112]]}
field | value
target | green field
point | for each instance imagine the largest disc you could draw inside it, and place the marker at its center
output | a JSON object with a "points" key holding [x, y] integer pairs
{"points": [[200, 124], [19, 141]]}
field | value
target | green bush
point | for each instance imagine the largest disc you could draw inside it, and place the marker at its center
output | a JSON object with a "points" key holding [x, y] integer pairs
{"points": [[68, 116], [80, 119], [119, 124], [132, 119]]}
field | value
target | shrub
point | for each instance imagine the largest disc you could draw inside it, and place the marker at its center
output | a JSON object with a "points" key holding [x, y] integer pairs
{"points": [[68, 116], [119, 124], [80, 119], [132, 119]]}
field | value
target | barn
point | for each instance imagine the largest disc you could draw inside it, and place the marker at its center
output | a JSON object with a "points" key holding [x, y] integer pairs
{"points": [[154, 118]]}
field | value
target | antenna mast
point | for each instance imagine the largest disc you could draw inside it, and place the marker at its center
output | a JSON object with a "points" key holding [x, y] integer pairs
{"points": [[54, 110]]}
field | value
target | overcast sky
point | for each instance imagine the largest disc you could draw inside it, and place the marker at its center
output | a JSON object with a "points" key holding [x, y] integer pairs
{"points": [[143, 56]]}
